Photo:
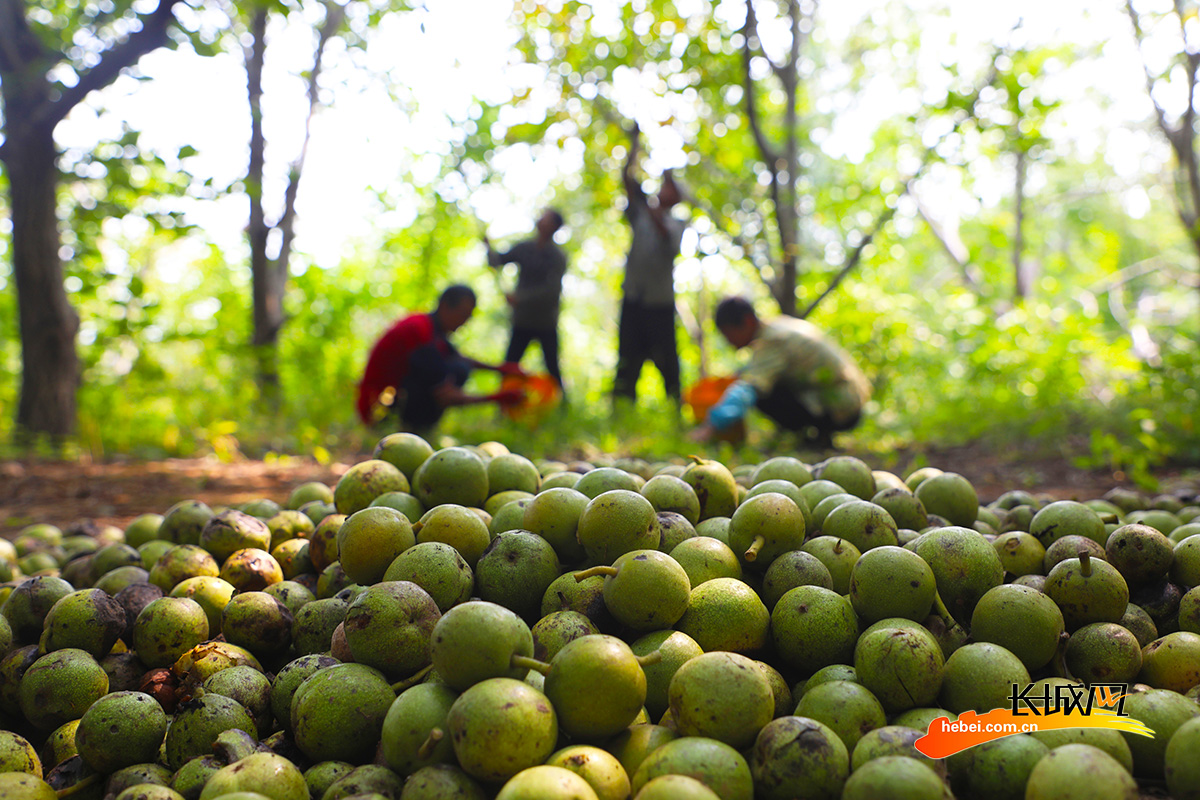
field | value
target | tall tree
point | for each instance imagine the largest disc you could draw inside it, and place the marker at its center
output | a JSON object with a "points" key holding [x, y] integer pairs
{"points": [[269, 271], [51, 58], [1162, 75]]}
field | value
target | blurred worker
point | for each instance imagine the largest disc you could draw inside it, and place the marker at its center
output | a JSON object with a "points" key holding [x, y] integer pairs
{"points": [[414, 372], [795, 375], [647, 325], [541, 265]]}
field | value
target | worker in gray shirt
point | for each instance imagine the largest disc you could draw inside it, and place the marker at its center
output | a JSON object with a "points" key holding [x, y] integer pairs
{"points": [[541, 265], [647, 325]]}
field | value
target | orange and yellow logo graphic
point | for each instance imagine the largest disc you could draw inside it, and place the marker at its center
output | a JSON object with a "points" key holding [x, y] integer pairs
{"points": [[1055, 708]]}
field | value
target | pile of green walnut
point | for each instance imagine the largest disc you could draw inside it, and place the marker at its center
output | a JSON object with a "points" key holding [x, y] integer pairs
{"points": [[467, 623]]}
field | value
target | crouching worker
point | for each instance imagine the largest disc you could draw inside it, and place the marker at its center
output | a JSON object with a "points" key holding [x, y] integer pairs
{"points": [[414, 373], [795, 375]]}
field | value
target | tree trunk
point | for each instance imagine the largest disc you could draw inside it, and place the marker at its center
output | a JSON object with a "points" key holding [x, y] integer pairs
{"points": [[48, 323], [1020, 275], [266, 293]]}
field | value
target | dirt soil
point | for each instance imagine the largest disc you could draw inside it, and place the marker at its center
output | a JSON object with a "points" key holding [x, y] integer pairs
{"points": [[63, 493]]}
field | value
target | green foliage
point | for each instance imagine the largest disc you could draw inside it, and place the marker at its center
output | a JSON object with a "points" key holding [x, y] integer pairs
{"points": [[166, 316]]}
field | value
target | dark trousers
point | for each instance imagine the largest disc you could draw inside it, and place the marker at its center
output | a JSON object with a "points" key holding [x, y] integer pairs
{"points": [[428, 368], [787, 412], [646, 333], [547, 338]]}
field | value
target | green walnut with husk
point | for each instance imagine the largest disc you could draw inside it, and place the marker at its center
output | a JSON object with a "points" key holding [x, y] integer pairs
{"points": [[1079, 771], [180, 563], [894, 740], [1181, 767], [813, 627], [23, 786], [600, 768], [726, 614], [862, 523], [267, 774], [999, 769], [714, 485], [510, 516], [230, 530], [669, 493], [89, 619], [1020, 553], [902, 666], [1023, 620], [894, 777], [370, 540], [596, 482], [851, 473], [553, 631], [197, 724], [949, 495], [337, 713], [389, 625], [512, 472], [289, 678], [1104, 652], [617, 522], [457, 526], [979, 677], [554, 515], [704, 558], [796, 758], [964, 564], [787, 468], [365, 481], [167, 628], [18, 755], [415, 733], [1140, 553], [1067, 518], [849, 709], [451, 475], [1087, 590], [839, 557], [259, 623], [437, 568], [890, 581], [674, 648], [596, 686], [184, 521], [29, 603], [546, 781], [1172, 662], [713, 763], [501, 726], [723, 696], [366, 781], [514, 571], [478, 640], [405, 451], [251, 688], [121, 729], [764, 527], [645, 590]]}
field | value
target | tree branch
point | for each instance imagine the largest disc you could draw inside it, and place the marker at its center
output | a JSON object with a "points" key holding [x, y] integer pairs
{"points": [[151, 36], [19, 46], [334, 16], [749, 34]]}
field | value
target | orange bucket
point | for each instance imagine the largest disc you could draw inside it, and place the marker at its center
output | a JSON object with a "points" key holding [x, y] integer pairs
{"points": [[706, 393], [541, 396]]}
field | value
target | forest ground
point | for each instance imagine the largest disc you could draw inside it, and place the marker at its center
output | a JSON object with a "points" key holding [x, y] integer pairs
{"points": [[112, 493]]}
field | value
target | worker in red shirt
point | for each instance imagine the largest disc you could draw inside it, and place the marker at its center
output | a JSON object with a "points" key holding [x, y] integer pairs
{"points": [[416, 373]]}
